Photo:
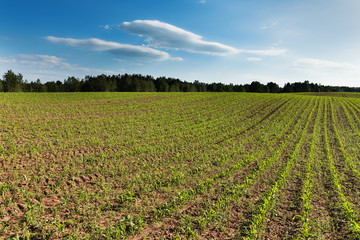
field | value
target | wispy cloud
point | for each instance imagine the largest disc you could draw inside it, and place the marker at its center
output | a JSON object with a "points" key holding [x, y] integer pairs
{"points": [[253, 59], [167, 36], [106, 27], [273, 24], [267, 52], [41, 61], [328, 72], [48, 66], [115, 48], [314, 63], [5, 38], [128, 62]]}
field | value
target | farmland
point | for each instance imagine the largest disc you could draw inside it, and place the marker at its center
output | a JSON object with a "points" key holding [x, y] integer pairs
{"points": [[179, 165]]}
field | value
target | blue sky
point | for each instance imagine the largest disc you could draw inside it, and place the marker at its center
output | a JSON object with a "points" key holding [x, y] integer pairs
{"points": [[229, 41]]}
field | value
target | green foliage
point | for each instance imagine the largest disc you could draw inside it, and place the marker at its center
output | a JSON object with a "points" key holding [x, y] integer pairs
{"points": [[12, 82], [140, 83]]}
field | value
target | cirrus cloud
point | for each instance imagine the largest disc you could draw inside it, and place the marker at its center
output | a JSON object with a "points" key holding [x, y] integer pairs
{"points": [[115, 48]]}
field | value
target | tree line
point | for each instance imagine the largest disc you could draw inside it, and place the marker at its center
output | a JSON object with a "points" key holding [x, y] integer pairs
{"points": [[12, 82]]}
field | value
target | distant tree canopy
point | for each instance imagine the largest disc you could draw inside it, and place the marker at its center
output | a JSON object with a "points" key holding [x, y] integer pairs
{"points": [[138, 83], [12, 82]]}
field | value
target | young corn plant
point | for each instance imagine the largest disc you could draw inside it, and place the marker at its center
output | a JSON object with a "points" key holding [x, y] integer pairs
{"points": [[255, 230], [346, 207]]}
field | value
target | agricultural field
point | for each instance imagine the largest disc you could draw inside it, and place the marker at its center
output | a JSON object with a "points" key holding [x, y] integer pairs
{"points": [[179, 166]]}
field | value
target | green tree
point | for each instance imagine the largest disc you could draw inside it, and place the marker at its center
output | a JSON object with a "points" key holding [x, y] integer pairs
{"points": [[200, 87], [239, 88], [148, 85], [255, 86], [174, 87], [288, 88], [161, 84], [273, 87], [305, 86], [51, 87], [12, 82], [72, 84]]}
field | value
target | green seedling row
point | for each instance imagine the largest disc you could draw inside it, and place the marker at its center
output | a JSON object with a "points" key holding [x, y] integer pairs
{"points": [[174, 165], [346, 206]]}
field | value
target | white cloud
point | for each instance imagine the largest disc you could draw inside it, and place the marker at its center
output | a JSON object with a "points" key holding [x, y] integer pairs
{"points": [[328, 72], [128, 62], [269, 26], [267, 52], [119, 60], [114, 48], [40, 61], [313, 63], [51, 62], [167, 36], [106, 27], [45, 67], [164, 35], [253, 59]]}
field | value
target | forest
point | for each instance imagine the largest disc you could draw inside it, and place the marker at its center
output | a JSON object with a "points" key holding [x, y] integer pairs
{"points": [[12, 82]]}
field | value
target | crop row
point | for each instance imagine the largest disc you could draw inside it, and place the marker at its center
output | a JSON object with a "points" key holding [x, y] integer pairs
{"points": [[161, 165]]}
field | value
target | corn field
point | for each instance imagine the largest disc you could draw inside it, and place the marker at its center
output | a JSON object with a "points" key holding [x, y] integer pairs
{"points": [[179, 166]]}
